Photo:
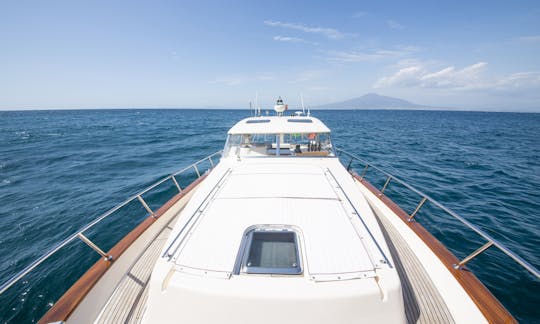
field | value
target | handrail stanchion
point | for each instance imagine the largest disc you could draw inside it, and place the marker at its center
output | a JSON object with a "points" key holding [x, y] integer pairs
{"points": [[145, 205], [364, 172], [411, 216], [350, 164], [196, 170], [386, 184], [176, 183], [473, 255], [211, 162], [94, 247]]}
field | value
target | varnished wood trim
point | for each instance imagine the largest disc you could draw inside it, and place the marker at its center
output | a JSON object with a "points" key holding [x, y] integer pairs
{"points": [[488, 304], [74, 295]]}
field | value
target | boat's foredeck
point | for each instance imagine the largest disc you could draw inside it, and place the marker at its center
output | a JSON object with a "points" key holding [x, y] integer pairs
{"points": [[425, 291], [344, 258], [423, 301], [303, 196]]}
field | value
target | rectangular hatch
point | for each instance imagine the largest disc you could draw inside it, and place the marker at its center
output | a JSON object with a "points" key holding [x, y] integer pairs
{"points": [[271, 252]]}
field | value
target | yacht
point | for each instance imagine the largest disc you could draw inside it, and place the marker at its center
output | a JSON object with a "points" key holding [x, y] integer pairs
{"points": [[279, 229]]}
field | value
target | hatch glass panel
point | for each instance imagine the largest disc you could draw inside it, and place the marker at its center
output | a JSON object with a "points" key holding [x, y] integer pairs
{"points": [[272, 252]]}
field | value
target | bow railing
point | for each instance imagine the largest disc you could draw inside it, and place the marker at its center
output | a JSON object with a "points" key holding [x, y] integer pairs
{"points": [[80, 233], [490, 241]]}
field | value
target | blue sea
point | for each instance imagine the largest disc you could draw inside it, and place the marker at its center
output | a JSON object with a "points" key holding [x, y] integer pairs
{"points": [[61, 169]]}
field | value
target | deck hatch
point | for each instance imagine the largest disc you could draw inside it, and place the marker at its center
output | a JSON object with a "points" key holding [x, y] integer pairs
{"points": [[257, 121], [271, 251], [295, 120]]}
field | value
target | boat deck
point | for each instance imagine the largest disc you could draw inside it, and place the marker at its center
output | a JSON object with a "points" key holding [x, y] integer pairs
{"points": [[127, 303], [423, 303]]}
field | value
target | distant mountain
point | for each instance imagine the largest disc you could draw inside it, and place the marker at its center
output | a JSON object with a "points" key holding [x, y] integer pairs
{"points": [[372, 101]]}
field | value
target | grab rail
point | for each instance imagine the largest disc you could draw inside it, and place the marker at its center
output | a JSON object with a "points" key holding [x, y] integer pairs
{"points": [[80, 233], [490, 240]]}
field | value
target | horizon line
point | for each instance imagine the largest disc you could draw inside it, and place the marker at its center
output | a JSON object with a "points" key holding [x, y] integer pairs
{"points": [[425, 108]]}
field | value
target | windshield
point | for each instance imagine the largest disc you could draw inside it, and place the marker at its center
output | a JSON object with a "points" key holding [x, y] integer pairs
{"points": [[304, 144]]}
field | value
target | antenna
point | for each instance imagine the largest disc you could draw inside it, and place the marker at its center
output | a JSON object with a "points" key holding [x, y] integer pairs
{"points": [[303, 108], [250, 109], [257, 108]]}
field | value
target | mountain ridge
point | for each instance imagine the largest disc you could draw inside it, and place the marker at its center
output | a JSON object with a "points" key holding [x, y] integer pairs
{"points": [[372, 101]]}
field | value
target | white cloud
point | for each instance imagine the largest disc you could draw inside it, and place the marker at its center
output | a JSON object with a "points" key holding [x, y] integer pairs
{"points": [[520, 80], [417, 75], [394, 24], [370, 55], [466, 78], [472, 77], [533, 39], [407, 76], [328, 32], [290, 39]]}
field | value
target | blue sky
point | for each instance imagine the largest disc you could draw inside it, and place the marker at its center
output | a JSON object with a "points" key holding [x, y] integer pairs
{"points": [[120, 54]]}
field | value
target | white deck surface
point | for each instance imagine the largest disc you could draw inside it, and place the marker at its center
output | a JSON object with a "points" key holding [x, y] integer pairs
{"points": [[424, 303], [296, 195], [345, 260]]}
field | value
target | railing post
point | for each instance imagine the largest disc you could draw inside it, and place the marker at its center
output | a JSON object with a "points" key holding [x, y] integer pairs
{"points": [[94, 247], [349, 166], [364, 172], [417, 208], [473, 255], [196, 170], [146, 206], [386, 184], [211, 162], [176, 183]]}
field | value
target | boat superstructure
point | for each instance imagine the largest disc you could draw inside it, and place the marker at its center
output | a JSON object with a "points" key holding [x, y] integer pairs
{"points": [[280, 229]]}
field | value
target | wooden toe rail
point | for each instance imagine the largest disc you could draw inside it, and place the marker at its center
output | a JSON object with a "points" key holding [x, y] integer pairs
{"points": [[490, 307], [71, 298]]}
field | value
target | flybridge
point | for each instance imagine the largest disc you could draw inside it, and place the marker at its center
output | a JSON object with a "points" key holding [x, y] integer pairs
{"points": [[279, 125]]}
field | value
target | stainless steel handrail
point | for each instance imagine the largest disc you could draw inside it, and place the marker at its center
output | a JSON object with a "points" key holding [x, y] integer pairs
{"points": [[490, 240], [79, 234]]}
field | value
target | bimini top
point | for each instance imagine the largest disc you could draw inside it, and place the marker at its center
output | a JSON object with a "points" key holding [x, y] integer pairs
{"points": [[279, 125]]}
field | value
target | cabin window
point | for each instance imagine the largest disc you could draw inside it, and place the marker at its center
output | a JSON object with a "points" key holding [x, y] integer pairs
{"points": [[271, 251], [293, 120], [257, 121]]}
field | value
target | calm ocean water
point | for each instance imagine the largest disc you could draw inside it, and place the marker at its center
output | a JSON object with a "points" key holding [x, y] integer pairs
{"points": [[61, 169]]}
